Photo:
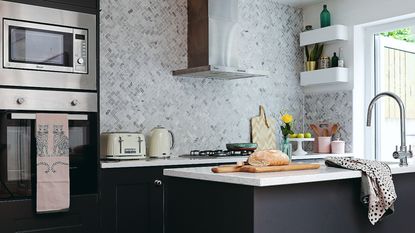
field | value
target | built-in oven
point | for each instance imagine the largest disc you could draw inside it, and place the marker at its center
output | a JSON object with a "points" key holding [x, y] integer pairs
{"points": [[45, 47], [18, 144]]}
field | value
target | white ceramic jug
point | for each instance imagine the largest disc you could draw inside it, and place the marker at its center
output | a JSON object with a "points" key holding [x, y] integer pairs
{"points": [[161, 142]]}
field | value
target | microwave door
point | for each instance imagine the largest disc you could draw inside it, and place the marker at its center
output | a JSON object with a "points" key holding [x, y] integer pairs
{"points": [[38, 46]]}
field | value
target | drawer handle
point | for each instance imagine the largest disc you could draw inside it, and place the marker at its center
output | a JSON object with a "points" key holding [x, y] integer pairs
{"points": [[158, 183], [20, 100]]}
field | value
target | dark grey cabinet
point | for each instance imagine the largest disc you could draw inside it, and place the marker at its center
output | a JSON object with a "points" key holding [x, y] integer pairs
{"points": [[86, 6], [19, 216], [132, 199]]}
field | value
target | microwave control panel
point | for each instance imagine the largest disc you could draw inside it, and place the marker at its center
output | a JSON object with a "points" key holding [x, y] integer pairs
{"points": [[80, 51]]}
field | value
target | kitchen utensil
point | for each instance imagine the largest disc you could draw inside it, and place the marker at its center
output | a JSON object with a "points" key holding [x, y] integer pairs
{"points": [[263, 131], [315, 130], [241, 146], [324, 144], [334, 129], [123, 146], [337, 146], [322, 129], [161, 142], [255, 169]]}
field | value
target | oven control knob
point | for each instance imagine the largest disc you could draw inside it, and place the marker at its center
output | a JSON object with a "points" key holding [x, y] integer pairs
{"points": [[81, 61], [20, 101], [74, 102]]}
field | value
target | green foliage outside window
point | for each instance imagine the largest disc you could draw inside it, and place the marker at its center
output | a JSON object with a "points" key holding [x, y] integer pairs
{"points": [[404, 34]]}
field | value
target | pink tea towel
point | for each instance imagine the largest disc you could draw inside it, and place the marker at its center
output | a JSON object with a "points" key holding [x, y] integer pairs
{"points": [[52, 165]]}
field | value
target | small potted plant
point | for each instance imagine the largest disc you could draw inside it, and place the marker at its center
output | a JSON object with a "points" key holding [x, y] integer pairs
{"points": [[312, 56]]}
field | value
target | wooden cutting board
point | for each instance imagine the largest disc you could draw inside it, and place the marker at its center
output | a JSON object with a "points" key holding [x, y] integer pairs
{"points": [[254, 169], [263, 131]]}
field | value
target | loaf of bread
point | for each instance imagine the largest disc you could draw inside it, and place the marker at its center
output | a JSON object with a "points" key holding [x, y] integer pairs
{"points": [[268, 158]]}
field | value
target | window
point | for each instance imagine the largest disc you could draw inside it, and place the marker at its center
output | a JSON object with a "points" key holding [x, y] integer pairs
{"points": [[394, 72]]}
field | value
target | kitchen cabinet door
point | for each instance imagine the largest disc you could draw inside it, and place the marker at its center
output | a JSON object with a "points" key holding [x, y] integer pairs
{"points": [[132, 200]]}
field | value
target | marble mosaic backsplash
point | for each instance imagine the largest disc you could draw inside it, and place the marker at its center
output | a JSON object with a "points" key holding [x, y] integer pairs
{"points": [[143, 41], [335, 107]]}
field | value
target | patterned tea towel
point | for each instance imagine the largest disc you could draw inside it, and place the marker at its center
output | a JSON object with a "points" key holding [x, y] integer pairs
{"points": [[52, 165], [378, 190]]}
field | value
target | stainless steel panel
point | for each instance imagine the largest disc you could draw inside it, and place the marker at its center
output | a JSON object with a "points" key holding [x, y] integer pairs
{"points": [[78, 52], [36, 100], [32, 116], [219, 72], [224, 33], [35, 78]]}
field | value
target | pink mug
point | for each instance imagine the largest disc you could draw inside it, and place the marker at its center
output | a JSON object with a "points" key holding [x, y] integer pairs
{"points": [[324, 144]]}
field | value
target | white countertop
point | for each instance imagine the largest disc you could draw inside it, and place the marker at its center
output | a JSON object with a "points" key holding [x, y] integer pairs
{"points": [[324, 173], [172, 161]]}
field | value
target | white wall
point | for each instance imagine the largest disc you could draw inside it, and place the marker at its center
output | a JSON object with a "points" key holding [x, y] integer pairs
{"points": [[352, 13], [356, 14]]}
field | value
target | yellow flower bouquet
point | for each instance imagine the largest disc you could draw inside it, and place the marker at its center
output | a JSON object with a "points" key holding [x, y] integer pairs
{"points": [[286, 127]]}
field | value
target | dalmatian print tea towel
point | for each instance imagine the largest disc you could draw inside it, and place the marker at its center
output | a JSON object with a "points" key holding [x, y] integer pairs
{"points": [[378, 190]]}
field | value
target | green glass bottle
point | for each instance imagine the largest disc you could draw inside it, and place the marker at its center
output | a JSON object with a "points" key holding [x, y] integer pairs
{"points": [[335, 60], [325, 17]]}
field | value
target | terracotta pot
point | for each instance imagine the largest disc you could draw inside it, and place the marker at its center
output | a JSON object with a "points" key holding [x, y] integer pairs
{"points": [[310, 65]]}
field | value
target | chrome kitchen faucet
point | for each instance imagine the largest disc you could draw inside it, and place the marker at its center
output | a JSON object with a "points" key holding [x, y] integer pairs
{"points": [[402, 154]]}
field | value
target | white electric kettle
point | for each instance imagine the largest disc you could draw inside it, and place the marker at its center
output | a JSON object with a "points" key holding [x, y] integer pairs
{"points": [[161, 142]]}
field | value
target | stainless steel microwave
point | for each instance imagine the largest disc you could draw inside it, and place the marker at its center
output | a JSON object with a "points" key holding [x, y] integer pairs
{"points": [[47, 48]]}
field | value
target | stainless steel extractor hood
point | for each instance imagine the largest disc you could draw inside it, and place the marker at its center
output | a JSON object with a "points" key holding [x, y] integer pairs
{"points": [[213, 41]]}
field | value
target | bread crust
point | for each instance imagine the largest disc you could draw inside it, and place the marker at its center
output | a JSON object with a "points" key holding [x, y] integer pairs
{"points": [[268, 158]]}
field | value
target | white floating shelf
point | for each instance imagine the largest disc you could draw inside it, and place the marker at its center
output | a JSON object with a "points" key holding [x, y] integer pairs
{"points": [[324, 35], [324, 76]]}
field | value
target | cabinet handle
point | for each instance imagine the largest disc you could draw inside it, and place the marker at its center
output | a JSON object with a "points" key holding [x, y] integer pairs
{"points": [[158, 183]]}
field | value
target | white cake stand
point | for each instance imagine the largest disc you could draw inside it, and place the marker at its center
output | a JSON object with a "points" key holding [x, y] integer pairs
{"points": [[300, 141]]}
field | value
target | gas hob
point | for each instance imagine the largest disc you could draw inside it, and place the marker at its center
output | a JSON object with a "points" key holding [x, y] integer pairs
{"points": [[216, 153]]}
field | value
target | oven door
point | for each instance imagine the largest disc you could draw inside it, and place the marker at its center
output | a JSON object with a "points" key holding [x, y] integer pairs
{"points": [[18, 154], [44, 47]]}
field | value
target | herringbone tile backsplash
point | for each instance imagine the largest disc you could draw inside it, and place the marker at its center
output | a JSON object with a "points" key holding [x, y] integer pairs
{"points": [[335, 107], [143, 41]]}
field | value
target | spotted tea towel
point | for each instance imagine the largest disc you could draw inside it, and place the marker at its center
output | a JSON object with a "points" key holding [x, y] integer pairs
{"points": [[377, 185], [52, 165]]}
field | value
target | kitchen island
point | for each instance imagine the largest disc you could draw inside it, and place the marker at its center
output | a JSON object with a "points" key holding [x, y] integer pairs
{"points": [[325, 200]]}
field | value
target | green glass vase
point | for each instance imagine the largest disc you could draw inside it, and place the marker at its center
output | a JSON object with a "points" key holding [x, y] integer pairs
{"points": [[325, 17], [287, 147]]}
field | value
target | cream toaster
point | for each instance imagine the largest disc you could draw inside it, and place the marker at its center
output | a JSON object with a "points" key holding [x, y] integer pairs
{"points": [[123, 146]]}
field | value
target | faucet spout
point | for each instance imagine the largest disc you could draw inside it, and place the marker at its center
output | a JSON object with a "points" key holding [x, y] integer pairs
{"points": [[403, 154]]}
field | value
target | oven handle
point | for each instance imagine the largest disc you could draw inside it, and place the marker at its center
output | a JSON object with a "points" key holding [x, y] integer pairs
{"points": [[32, 116]]}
